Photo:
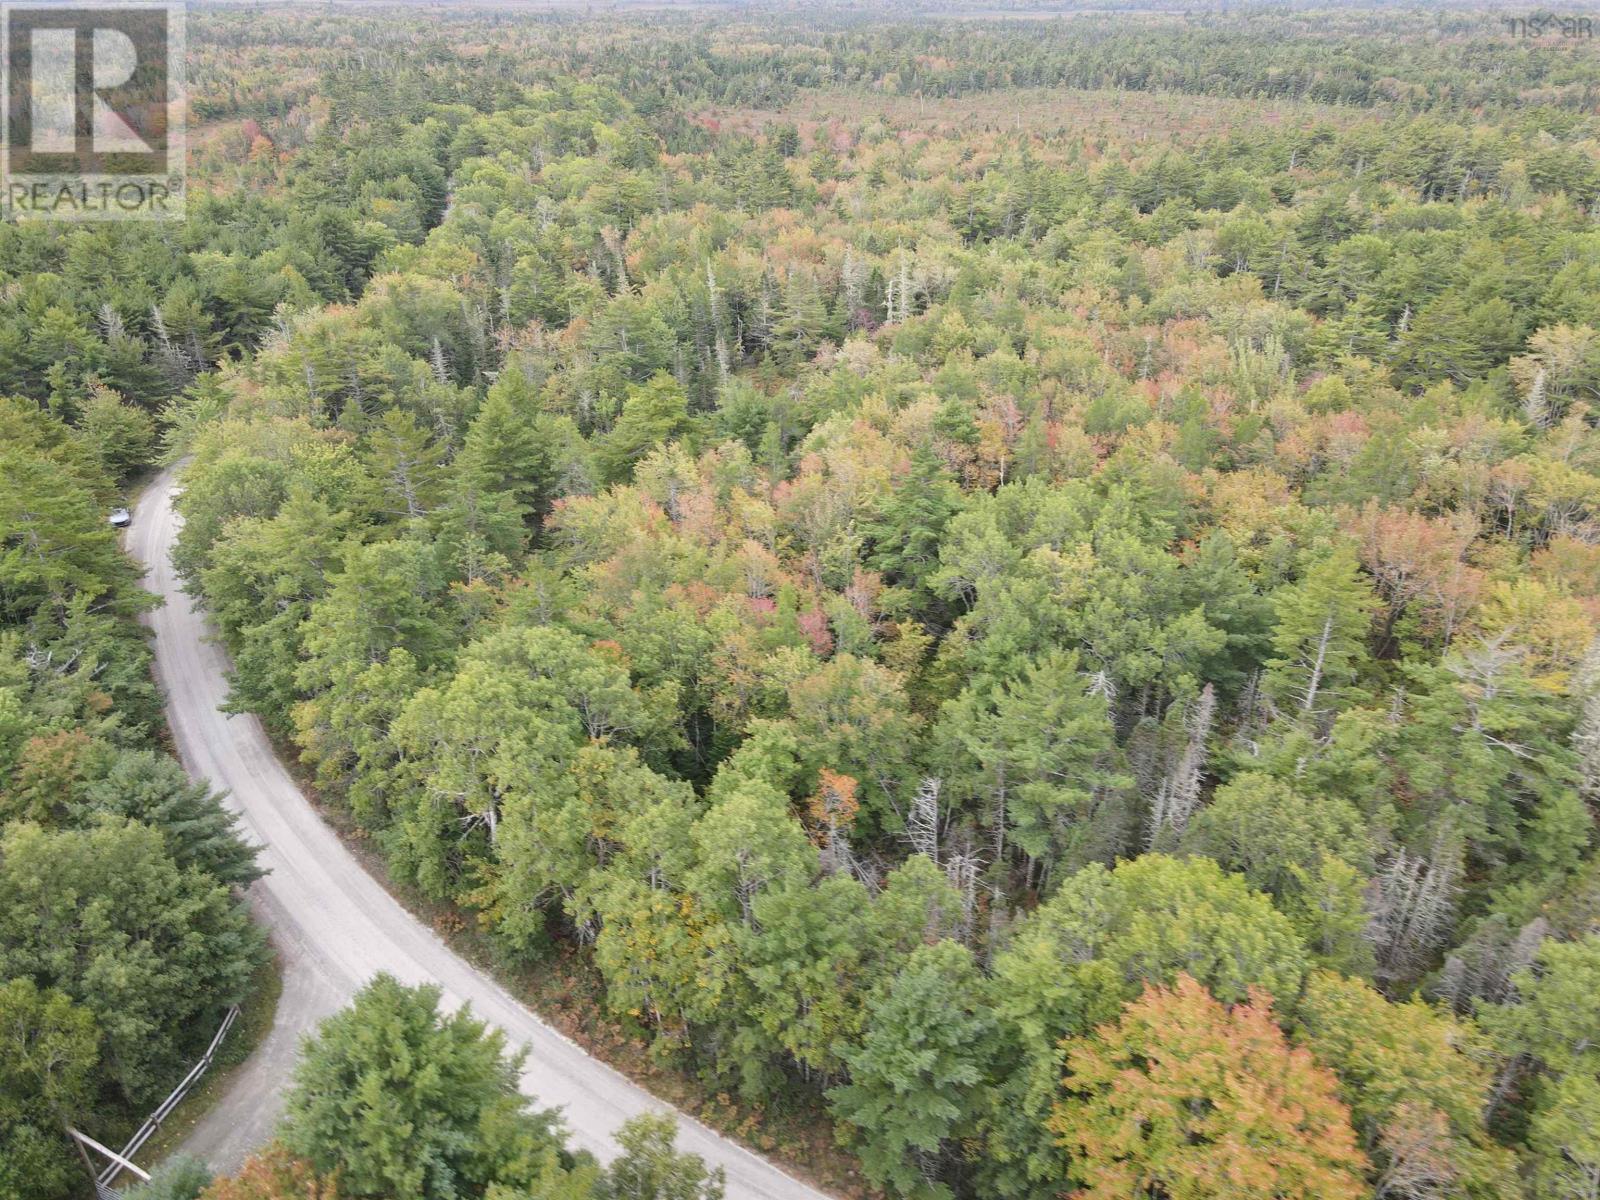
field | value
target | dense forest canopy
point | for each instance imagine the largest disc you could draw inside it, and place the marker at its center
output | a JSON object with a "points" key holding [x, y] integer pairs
{"points": [[986, 572]]}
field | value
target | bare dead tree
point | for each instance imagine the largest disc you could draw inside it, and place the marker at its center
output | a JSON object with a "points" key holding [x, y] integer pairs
{"points": [[111, 326], [869, 874], [1536, 404], [1481, 969], [1415, 1141], [1586, 737], [836, 858], [720, 340], [440, 364], [176, 362], [1101, 684], [1412, 901], [962, 869], [1317, 665], [853, 275], [922, 822], [1177, 792]]}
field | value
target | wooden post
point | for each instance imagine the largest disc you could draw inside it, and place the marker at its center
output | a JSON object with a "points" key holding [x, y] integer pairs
{"points": [[124, 1163]]}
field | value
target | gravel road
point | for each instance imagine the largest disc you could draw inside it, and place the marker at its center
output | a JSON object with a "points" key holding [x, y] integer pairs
{"points": [[335, 927]]}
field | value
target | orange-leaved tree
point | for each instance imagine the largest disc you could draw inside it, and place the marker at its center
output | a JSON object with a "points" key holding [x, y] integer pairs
{"points": [[273, 1174], [1185, 1099]]}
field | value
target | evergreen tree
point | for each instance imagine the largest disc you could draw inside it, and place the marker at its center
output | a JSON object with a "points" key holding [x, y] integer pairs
{"points": [[1259, 827], [507, 452], [1549, 1028], [401, 1100], [917, 1075], [653, 414], [406, 463], [1322, 624], [155, 953], [152, 788], [908, 527], [1042, 752]]}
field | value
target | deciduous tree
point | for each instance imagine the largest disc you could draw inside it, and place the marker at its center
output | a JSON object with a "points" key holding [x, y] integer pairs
{"points": [[1186, 1098]]}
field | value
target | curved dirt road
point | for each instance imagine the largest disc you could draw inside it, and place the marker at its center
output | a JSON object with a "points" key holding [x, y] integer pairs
{"points": [[335, 927]]}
